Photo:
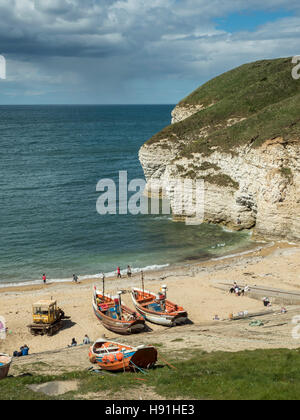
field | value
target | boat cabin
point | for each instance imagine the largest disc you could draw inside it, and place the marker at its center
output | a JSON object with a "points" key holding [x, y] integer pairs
{"points": [[45, 312]]}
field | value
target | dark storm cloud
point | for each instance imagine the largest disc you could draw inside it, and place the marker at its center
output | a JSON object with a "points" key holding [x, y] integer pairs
{"points": [[102, 45], [101, 27]]}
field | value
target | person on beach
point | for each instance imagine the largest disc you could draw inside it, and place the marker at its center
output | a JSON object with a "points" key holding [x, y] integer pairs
{"points": [[129, 272], [86, 340], [74, 343], [245, 290], [119, 273], [75, 278], [25, 350], [44, 278], [232, 290]]}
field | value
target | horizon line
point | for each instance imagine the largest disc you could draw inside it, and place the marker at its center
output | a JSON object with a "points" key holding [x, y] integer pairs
{"points": [[52, 104]]}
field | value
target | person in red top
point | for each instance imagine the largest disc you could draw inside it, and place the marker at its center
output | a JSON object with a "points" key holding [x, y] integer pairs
{"points": [[44, 278], [119, 273]]}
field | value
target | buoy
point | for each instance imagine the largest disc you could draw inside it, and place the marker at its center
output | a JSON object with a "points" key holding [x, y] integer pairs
{"points": [[119, 357], [111, 358]]}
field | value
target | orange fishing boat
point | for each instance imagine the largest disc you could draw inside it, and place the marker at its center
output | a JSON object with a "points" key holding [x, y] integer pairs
{"points": [[116, 357], [5, 362]]}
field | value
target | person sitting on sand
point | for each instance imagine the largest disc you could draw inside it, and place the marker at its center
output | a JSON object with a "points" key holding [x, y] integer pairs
{"points": [[74, 343], [246, 289], [232, 290], [266, 302], [86, 340], [25, 350], [237, 291]]}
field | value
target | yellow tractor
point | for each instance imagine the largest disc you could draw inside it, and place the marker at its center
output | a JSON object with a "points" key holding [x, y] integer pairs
{"points": [[47, 318]]}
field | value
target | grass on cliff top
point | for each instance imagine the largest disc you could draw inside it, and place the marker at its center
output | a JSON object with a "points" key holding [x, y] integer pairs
{"points": [[264, 94], [248, 375]]}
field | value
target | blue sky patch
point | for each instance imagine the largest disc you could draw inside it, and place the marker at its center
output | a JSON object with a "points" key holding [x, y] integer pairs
{"points": [[249, 21]]}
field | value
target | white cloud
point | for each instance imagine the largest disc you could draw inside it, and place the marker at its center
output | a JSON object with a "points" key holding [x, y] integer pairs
{"points": [[101, 43]]}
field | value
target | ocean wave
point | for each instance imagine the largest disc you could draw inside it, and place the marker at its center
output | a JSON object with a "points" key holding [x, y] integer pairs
{"points": [[85, 277]]}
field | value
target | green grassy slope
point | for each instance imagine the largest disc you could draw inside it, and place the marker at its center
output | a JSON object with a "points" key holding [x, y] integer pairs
{"points": [[263, 93], [248, 375]]}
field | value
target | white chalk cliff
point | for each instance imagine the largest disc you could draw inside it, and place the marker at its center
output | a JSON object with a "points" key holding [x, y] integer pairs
{"points": [[246, 187]]}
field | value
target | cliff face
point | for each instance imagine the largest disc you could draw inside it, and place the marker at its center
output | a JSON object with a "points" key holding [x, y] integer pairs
{"points": [[248, 155]]}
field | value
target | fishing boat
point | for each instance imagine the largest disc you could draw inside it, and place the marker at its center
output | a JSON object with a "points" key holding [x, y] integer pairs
{"points": [[117, 357], [157, 309], [5, 362], [115, 316]]}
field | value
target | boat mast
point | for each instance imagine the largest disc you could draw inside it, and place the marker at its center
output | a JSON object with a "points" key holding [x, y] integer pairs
{"points": [[120, 304], [143, 283], [103, 285]]}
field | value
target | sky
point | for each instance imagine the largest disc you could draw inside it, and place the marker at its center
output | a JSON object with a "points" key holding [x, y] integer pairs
{"points": [[134, 51]]}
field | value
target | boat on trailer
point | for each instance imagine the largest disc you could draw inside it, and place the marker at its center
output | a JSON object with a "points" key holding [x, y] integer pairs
{"points": [[157, 309], [5, 362], [116, 357], [116, 317]]}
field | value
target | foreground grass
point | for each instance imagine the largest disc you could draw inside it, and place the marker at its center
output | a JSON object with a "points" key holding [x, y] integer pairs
{"points": [[259, 375]]}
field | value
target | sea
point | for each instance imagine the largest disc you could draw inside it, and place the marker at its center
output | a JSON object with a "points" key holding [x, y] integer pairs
{"points": [[51, 160]]}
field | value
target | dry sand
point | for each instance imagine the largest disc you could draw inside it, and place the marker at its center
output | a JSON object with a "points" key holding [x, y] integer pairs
{"points": [[190, 286]]}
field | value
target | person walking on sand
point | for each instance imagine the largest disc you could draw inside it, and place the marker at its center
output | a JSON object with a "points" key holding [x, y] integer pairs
{"points": [[75, 278], [44, 278], [119, 273], [129, 272]]}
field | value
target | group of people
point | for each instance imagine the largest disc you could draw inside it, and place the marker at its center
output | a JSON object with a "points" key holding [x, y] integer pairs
{"points": [[129, 272], [86, 341], [238, 291], [76, 278], [24, 351]]}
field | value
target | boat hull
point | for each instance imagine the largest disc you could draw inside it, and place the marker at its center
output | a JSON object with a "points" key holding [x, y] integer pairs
{"points": [[160, 318], [131, 359], [5, 362], [119, 327]]}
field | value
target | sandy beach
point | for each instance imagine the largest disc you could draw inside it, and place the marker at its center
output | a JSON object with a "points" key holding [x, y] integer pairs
{"points": [[275, 265]]}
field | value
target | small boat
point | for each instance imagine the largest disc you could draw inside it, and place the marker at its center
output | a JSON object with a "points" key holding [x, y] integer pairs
{"points": [[157, 309], [115, 316], [116, 357], [5, 362]]}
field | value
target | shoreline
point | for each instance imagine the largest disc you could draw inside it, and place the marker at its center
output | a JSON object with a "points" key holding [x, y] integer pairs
{"points": [[36, 285]]}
